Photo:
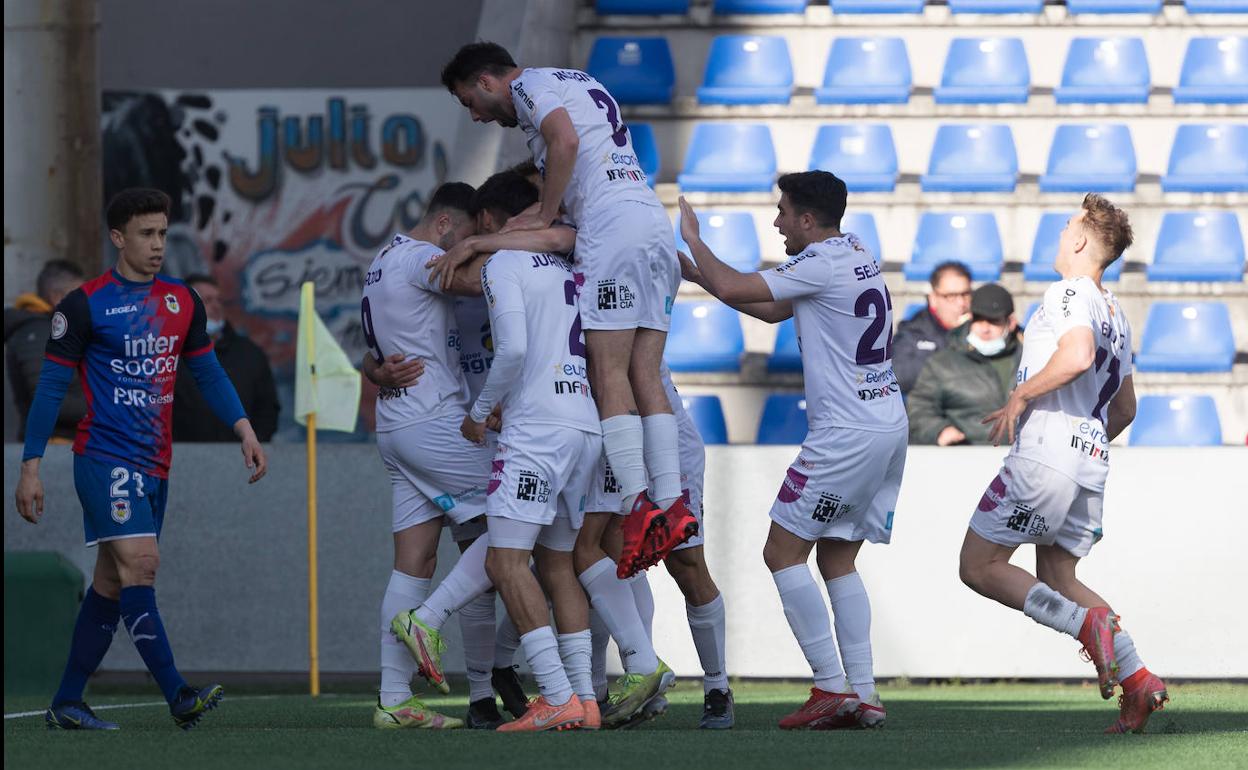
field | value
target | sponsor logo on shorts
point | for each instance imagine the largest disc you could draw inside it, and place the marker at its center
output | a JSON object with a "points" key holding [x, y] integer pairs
{"points": [[496, 475], [610, 485], [1026, 520], [613, 295], [807, 464], [791, 489], [59, 325], [888, 521], [532, 488], [1097, 534], [993, 495], [445, 502], [121, 511], [830, 508], [667, 305]]}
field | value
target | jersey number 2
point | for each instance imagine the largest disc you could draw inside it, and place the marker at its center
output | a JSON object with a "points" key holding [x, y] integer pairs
{"points": [[619, 131]]}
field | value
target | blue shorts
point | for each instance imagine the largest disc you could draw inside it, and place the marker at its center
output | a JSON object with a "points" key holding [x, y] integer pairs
{"points": [[118, 501]]}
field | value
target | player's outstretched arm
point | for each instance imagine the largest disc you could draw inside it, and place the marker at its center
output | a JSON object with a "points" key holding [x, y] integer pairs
{"points": [[1076, 351], [724, 282], [1121, 409], [396, 371], [771, 312]]}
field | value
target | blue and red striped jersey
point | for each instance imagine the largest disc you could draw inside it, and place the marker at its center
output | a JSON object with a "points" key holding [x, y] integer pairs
{"points": [[126, 339]]}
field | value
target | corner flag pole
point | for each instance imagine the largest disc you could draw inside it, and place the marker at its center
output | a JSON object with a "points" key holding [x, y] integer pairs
{"points": [[314, 672]]}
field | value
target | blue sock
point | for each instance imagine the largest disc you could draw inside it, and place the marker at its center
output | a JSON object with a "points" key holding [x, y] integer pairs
{"points": [[93, 633], [138, 609]]}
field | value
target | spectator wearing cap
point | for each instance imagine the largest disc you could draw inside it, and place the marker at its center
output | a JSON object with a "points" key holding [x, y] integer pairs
{"points": [[971, 377], [247, 366], [947, 305]]}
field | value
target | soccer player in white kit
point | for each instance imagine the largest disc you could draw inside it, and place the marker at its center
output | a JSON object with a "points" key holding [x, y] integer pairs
{"points": [[626, 252], [842, 488], [1074, 396], [547, 452]]}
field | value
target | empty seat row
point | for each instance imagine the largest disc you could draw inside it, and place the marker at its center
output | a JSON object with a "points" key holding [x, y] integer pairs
{"points": [[740, 157], [633, 7], [1191, 337], [756, 69]]}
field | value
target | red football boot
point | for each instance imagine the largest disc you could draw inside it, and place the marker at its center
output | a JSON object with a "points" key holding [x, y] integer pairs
{"points": [[823, 711], [1097, 638], [1142, 694], [638, 526], [682, 525]]}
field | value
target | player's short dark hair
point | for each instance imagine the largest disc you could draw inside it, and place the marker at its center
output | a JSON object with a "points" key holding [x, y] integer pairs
{"points": [[456, 196], [135, 202], [194, 278], [950, 266], [1108, 224], [506, 192], [819, 193], [473, 59], [526, 168], [56, 273]]}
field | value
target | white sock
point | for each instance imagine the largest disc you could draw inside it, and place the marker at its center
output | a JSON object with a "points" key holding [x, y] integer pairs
{"points": [[466, 581], [600, 636], [706, 623], [803, 606], [506, 642], [575, 650], [1128, 659], [403, 592], [614, 602], [1049, 608], [644, 599], [851, 612], [476, 624], [623, 441], [662, 457], [541, 650]]}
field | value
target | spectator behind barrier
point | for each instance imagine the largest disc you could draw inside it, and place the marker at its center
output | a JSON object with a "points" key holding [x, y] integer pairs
{"points": [[928, 332], [26, 328], [971, 377], [245, 363]]}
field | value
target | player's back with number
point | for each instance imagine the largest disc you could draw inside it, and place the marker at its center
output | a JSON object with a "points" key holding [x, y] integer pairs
{"points": [[402, 312]]}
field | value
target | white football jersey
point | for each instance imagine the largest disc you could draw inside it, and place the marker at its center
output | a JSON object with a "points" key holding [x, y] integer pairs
{"points": [[553, 386], [476, 347], [402, 312], [844, 318], [606, 169], [1065, 429]]}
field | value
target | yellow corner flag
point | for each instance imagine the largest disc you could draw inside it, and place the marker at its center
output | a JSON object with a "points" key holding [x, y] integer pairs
{"points": [[326, 384]]}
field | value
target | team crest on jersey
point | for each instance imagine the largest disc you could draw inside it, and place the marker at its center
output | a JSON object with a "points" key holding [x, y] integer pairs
{"points": [[171, 303], [121, 511], [59, 325]]}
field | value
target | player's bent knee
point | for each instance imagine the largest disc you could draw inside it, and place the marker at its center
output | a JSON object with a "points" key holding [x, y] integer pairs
{"points": [[139, 569]]}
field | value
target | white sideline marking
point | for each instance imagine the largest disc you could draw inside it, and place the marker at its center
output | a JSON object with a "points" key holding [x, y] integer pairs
{"points": [[40, 712]]}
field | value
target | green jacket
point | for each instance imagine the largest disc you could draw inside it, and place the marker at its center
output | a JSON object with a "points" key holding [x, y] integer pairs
{"points": [[958, 386]]}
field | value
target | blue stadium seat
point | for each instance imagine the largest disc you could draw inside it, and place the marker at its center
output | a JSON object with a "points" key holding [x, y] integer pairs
{"points": [[1215, 71], [783, 420], [862, 225], [996, 6], [1208, 158], [636, 70], [760, 6], [1085, 157], [1113, 6], [708, 415], [913, 309], [984, 70], [862, 155], [731, 235], [1176, 421], [878, 6], [972, 157], [866, 70], [704, 337], [625, 7], [970, 238], [729, 157], [647, 150], [1104, 70], [1031, 311], [1187, 337], [786, 356], [747, 69], [1198, 246], [1216, 6], [1044, 250]]}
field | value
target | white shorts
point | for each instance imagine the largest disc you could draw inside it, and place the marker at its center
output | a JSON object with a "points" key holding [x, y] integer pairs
{"points": [[604, 495], [843, 485], [559, 535], [541, 471], [435, 471], [1032, 503], [626, 255]]}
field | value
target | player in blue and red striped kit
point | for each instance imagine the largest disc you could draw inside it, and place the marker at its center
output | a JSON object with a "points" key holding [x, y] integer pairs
{"points": [[125, 333]]}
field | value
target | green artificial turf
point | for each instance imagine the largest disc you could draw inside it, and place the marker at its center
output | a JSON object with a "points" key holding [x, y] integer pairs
{"points": [[954, 726]]}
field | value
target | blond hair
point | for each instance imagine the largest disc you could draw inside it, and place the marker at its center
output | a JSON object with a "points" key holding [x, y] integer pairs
{"points": [[1108, 224]]}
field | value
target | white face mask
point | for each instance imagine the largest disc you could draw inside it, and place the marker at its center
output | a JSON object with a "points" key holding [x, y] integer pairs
{"points": [[214, 327], [987, 348]]}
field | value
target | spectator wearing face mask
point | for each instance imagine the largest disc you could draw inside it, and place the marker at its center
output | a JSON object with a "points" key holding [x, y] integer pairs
{"points": [[245, 363], [971, 377], [921, 336]]}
